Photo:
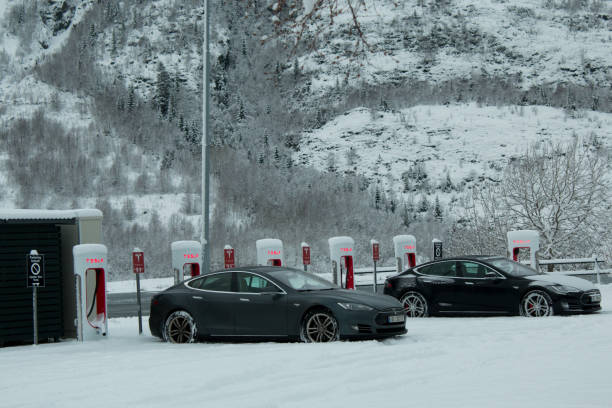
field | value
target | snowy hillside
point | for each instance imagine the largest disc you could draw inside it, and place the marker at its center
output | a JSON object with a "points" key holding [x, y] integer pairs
{"points": [[465, 144], [538, 42], [424, 101]]}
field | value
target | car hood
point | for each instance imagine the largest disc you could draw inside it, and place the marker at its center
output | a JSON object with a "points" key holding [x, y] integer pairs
{"points": [[573, 281], [379, 302]]}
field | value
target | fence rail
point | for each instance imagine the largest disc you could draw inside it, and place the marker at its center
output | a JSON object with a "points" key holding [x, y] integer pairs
{"points": [[577, 261]]}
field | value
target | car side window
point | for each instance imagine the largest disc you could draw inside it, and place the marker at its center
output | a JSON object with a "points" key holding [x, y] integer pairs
{"points": [[196, 283], [474, 270], [251, 283], [447, 268], [219, 282]]}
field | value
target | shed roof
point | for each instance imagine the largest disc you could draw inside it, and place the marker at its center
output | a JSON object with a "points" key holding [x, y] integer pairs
{"points": [[22, 215]]}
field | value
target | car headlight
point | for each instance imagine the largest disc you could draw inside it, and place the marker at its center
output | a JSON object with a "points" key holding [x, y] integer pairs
{"points": [[354, 306], [564, 289]]}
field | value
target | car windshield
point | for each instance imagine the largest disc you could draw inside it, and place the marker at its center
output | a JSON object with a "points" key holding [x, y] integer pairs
{"points": [[299, 280], [512, 268]]}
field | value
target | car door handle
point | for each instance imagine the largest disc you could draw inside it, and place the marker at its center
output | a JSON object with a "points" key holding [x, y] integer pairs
{"points": [[197, 297], [469, 283], [245, 300]]}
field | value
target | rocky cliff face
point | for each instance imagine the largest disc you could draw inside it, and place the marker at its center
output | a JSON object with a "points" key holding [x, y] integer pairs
{"points": [[57, 15]]}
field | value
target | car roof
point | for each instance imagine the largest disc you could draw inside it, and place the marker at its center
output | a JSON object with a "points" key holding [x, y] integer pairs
{"points": [[480, 258], [255, 268], [471, 257]]}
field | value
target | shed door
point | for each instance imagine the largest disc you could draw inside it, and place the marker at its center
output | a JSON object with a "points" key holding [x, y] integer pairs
{"points": [[16, 241]]}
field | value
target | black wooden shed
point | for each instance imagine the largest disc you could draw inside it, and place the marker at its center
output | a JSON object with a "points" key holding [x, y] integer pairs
{"points": [[52, 233]]}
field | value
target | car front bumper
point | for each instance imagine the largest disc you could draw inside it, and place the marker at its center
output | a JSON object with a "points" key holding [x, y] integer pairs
{"points": [[579, 302], [370, 324]]}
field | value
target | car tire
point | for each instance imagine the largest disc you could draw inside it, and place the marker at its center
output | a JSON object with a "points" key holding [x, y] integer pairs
{"points": [[319, 326], [415, 304], [179, 327], [536, 303]]}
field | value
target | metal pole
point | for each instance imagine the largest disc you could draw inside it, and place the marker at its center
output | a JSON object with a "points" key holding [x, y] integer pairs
{"points": [[35, 311], [205, 166], [597, 270], [375, 280], [79, 322], [139, 303]]}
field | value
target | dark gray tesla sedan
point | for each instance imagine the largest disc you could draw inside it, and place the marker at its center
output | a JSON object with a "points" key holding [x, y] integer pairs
{"points": [[264, 302], [489, 285]]}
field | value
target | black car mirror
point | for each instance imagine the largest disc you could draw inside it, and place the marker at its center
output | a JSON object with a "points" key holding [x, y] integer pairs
{"points": [[275, 294], [491, 275]]}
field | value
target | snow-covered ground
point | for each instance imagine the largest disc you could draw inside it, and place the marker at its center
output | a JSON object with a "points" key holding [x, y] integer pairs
{"points": [[441, 362], [147, 285]]}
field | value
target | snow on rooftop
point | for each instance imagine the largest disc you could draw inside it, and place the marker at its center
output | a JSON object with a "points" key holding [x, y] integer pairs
{"points": [[269, 243], [185, 245], [22, 214], [89, 249]]}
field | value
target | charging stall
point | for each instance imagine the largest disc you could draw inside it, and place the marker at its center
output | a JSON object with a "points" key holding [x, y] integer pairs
{"points": [[521, 240], [186, 259], [405, 251], [269, 252], [341, 253], [90, 265]]}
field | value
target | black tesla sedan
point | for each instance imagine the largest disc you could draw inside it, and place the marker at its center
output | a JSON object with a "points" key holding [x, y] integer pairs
{"points": [[489, 285], [271, 302]]}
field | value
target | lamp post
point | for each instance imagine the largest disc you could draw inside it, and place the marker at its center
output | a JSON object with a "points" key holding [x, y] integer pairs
{"points": [[205, 166]]}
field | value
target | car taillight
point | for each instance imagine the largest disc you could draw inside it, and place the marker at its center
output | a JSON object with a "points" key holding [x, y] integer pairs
{"points": [[154, 302], [388, 285]]}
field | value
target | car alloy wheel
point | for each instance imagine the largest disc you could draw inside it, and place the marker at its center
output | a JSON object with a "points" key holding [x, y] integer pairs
{"points": [[536, 304], [320, 327], [414, 304], [180, 328]]}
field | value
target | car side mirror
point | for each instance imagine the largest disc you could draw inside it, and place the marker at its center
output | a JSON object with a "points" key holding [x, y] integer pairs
{"points": [[491, 275], [275, 295]]}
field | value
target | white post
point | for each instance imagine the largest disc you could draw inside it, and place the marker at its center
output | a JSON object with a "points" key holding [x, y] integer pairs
{"points": [[205, 166], [79, 312], [597, 270]]}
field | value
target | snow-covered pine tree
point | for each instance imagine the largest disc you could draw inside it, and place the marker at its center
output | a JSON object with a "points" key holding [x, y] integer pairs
{"points": [[129, 209], [437, 210], [423, 204], [92, 35], [296, 70], [331, 163], [113, 45], [162, 90], [131, 100]]}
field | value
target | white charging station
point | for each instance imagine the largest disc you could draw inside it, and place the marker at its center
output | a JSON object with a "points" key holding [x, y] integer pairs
{"points": [[186, 259], [90, 264], [269, 252], [405, 251], [524, 239], [342, 255]]}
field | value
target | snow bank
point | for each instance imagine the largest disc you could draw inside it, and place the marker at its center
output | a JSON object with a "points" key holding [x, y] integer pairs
{"points": [[441, 362], [146, 285]]}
